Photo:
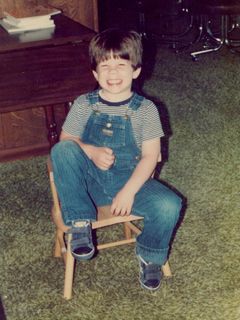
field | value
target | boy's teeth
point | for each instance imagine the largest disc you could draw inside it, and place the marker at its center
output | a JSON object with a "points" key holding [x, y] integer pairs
{"points": [[114, 81]]}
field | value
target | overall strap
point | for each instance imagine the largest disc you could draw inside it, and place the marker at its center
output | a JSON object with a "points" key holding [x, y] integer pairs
{"points": [[136, 101], [134, 104], [93, 97]]}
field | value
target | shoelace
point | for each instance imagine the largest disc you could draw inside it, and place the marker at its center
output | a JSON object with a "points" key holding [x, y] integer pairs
{"points": [[151, 271], [80, 235]]}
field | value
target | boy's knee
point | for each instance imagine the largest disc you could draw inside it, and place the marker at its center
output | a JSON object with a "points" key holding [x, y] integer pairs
{"points": [[168, 209], [172, 207], [174, 203]]}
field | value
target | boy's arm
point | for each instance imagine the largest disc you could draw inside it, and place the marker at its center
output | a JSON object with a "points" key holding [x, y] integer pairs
{"points": [[123, 201], [102, 157]]}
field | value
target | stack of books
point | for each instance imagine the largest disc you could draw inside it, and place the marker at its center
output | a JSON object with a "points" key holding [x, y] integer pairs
{"points": [[36, 18]]}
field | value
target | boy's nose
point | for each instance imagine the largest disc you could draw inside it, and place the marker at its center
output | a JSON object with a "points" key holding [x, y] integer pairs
{"points": [[112, 69]]}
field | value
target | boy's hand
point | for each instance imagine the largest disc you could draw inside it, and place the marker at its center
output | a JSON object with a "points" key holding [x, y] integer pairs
{"points": [[122, 203], [102, 157]]}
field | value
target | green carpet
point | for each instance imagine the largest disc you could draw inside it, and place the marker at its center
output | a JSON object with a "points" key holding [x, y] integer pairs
{"points": [[202, 102]]}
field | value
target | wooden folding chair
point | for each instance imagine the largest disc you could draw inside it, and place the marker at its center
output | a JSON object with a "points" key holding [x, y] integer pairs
{"points": [[104, 219]]}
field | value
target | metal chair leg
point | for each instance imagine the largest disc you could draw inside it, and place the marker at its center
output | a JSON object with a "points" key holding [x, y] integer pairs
{"points": [[207, 36]]}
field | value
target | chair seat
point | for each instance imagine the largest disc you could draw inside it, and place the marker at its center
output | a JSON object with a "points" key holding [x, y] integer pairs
{"points": [[104, 218], [104, 213]]}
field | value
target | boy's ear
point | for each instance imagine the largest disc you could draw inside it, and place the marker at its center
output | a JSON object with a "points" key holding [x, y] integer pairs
{"points": [[95, 74], [136, 72]]}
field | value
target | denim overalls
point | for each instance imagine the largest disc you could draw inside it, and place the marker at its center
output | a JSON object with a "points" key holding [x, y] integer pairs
{"points": [[116, 133], [82, 186]]}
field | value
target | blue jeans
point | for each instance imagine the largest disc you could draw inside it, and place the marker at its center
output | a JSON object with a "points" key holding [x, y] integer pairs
{"points": [[82, 186]]}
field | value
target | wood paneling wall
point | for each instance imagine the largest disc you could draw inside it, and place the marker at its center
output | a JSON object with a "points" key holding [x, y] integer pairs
{"points": [[24, 132]]}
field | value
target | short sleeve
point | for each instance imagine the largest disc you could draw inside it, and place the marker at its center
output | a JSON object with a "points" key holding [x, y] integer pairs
{"points": [[152, 127], [77, 117]]}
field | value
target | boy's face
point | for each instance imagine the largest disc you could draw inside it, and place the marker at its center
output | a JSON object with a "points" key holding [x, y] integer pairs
{"points": [[115, 78]]}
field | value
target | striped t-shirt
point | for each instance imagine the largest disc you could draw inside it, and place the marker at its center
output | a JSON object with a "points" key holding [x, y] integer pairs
{"points": [[145, 120]]}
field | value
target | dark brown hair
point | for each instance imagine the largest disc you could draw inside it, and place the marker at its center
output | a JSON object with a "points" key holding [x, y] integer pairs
{"points": [[122, 44]]}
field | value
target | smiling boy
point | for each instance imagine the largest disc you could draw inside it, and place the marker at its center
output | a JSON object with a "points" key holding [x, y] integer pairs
{"points": [[109, 147]]}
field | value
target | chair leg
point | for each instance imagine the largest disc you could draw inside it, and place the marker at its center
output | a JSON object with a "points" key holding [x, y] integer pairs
{"points": [[166, 270], [57, 248], [208, 37], [69, 270], [127, 231]]}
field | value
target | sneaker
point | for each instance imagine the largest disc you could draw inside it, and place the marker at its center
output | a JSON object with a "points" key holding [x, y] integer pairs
{"points": [[150, 274], [81, 244]]}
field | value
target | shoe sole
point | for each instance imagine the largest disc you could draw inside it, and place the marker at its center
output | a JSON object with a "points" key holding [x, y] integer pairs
{"points": [[84, 257], [148, 288]]}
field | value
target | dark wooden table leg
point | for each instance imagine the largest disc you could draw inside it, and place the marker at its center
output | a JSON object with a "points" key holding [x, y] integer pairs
{"points": [[51, 125], [67, 107]]}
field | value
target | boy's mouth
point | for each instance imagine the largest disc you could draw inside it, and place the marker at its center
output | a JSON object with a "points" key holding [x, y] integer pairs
{"points": [[114, 82]]}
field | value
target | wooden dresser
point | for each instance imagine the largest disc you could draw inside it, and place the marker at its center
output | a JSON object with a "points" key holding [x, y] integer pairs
{"points": [[40, 73]]}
